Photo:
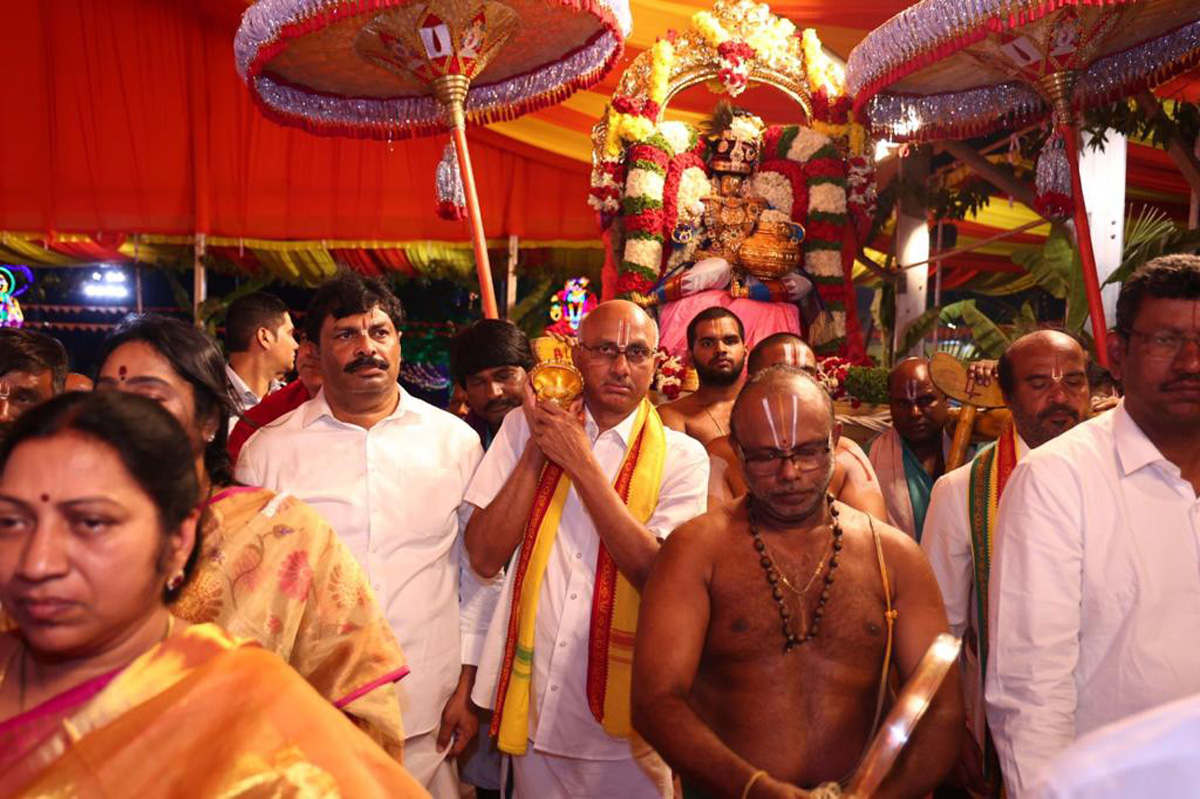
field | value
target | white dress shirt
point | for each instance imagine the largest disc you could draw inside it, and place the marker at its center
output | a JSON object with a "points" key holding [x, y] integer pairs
{"points": [[560, 721], [392, 494], [1094, 597], [1153, 754], [946, 541]]}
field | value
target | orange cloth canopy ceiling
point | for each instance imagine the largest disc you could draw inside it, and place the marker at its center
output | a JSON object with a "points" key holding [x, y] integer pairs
{"points": [[126, 117]]}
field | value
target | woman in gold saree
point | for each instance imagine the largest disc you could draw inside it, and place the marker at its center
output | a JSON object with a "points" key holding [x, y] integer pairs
{"points": [[270, 568], [102, 691]]}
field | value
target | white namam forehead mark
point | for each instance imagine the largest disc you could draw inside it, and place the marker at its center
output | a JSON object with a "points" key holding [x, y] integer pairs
{"points": [[622, 333], [782, 413], [912, 387]]}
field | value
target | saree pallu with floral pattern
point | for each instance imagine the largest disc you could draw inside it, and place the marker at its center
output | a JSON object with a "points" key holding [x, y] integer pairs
{"points": [[615, 601], [200, 715], [272, 570]]}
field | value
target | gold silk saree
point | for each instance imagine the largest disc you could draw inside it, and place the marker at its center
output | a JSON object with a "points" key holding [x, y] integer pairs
{"points": [[200, 715], [273, 571]]}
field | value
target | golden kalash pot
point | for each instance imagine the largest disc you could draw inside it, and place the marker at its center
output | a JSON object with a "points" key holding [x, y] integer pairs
{"points": [[773, 250], [555, 377]]}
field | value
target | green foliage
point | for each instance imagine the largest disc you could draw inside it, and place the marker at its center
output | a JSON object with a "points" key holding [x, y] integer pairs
{"points": [[212, 311], [1052, 264], [883, 311], [867, 383], [1148, 235], [530, 313], [989, 339], [1126, 117], [1026, 321]]}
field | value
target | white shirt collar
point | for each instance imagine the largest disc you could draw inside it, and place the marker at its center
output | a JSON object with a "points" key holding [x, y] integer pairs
{"points": [[1134, 448], [318, 407], [247, 397], [623, 428]]}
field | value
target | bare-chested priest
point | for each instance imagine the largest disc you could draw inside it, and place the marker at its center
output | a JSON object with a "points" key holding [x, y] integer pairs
{"points": [[854, 481], [777, 609], [717, 346]]}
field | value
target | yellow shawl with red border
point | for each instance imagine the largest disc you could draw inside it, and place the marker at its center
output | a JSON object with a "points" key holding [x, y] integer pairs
{"points": [[615, 601]]}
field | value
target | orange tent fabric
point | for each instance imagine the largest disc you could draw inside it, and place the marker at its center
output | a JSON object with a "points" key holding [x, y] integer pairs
{"points": [[126, 116]]}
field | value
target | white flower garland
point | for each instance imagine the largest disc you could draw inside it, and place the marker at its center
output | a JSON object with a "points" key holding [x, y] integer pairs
{"points": [[644, 252], [644, 183], [694, 186], [679, 135], [823, 263], [806, 143], [828, 198]]}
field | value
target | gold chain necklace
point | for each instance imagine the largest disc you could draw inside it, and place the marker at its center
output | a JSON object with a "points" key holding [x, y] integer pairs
{"points": [[816, 573], [720, 429], [792, 639]]}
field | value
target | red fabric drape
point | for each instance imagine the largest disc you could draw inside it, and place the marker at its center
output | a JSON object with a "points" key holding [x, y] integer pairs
{"points": [[127, 116]]}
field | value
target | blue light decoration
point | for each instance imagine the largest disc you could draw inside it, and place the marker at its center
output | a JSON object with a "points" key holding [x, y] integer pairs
{"points": [[10, 289], [569, 306]]}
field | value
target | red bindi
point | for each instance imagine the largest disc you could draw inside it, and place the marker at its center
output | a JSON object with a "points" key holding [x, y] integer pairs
{"points": [[122, 372], [45, 497]]}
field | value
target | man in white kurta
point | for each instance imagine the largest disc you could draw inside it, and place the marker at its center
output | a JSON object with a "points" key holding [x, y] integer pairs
{"points": [[1043, 376], [570, 755], [1094, 601], [388, 471]]}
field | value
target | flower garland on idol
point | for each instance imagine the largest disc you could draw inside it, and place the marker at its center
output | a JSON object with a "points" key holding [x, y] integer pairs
{"points": [[652, 176]]}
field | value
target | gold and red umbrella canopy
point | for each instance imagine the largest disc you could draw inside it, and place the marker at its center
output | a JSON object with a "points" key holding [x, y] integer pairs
{"points": [[956, 68], [394, 68], [367, 67]]}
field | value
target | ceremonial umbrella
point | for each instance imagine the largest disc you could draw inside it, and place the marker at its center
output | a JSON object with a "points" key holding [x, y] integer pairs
{"points": [[958, 68], [395, 68]]}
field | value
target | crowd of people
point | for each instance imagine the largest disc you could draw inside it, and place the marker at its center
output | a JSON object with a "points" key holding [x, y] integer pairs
{"points": [[276, 572]]}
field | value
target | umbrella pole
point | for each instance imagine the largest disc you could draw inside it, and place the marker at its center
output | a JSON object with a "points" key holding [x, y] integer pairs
{"points": [[1083, 233], [451, 90]]}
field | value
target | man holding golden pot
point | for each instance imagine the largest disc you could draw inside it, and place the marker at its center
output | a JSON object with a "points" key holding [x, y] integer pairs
{"points": [[584, 495]]}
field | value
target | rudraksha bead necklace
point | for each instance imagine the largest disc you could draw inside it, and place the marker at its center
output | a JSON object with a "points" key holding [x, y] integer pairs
{"points": [[775, 577]]}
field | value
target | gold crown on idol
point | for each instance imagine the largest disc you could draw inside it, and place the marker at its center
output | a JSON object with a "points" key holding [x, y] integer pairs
{"points": [[555, 377]]}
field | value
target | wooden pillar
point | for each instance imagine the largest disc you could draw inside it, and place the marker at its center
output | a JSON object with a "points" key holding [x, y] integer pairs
{"points": [[199, 283], [912, 246], [510, 277]]}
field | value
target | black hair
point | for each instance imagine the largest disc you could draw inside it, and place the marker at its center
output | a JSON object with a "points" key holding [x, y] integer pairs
{"points": [[1168, 277], [774, 373], [754, 360], [707, 315], [249, 313], [144, 435], [348, 293], [26, 350], [194, 357], [487, 344]]}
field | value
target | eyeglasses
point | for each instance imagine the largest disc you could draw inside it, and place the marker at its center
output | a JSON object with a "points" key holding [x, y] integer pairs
{"points": [[1163, 343], [769, 461], [635, 354]]}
